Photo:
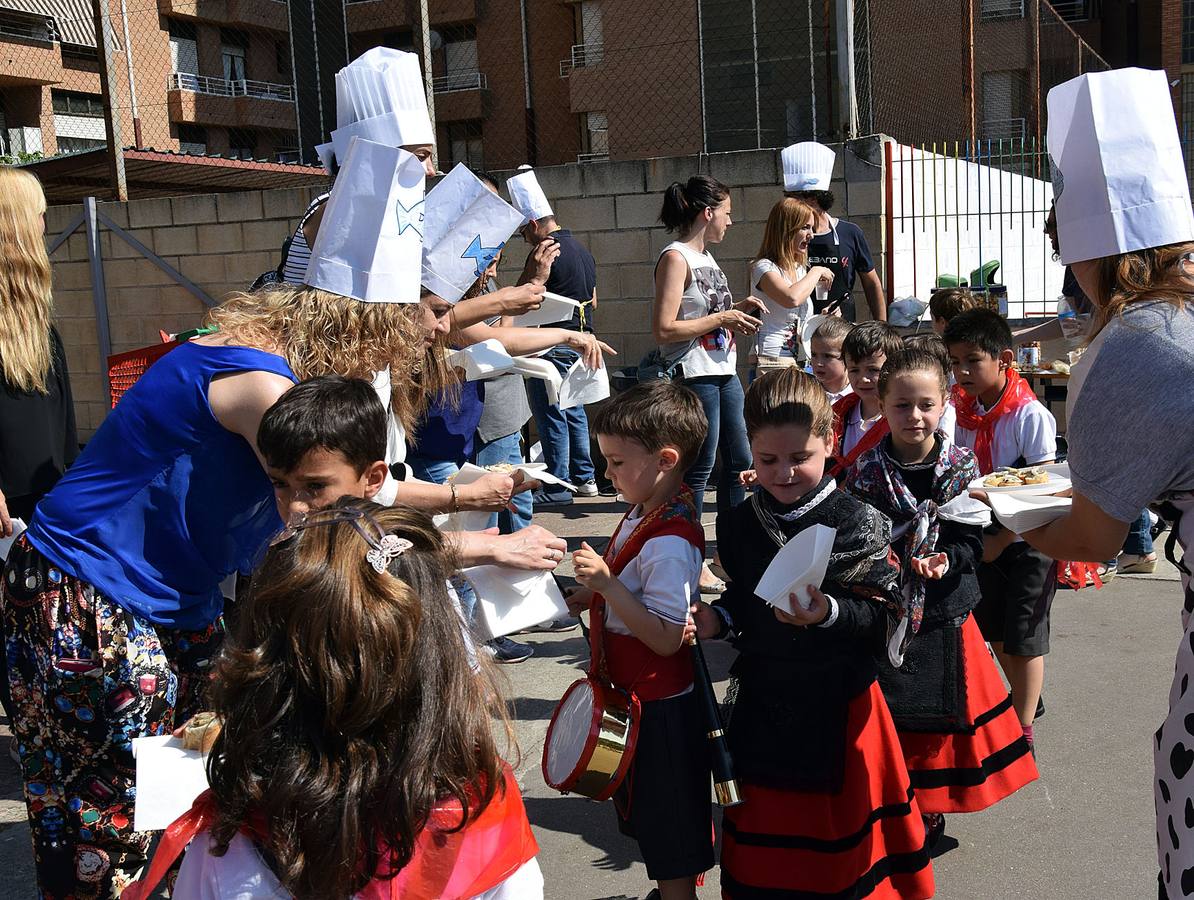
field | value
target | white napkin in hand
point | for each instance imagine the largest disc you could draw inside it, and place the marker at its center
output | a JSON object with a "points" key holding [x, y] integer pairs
{"points": [[582, 385], [169, 779], [18, 528], [554, 310], [1024, 512], [800, 564], [510, 600], [488, 359], [543, 369]]}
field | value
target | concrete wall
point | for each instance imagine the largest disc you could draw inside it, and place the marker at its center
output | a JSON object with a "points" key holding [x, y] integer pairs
{"points": [[222, 242]]}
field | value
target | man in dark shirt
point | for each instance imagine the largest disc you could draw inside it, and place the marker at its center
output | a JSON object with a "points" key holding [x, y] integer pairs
{"points": [[564, 434]]}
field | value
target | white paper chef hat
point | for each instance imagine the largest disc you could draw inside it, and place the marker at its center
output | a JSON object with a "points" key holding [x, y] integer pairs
{"points": [[465, 227], [380, 96], [526, 195], [1118, 172], [807, 166], [370, 242]]}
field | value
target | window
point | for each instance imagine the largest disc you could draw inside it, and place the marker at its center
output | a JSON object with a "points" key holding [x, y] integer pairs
{"points": [[1188, 122], [464, 145], [993, 10], [70, 103], [597, 135], [242, 143], [78, 145], [1188, 31], [233, 45], [184, 55], [192, 139], [1004, 104], [32, 27], [282, 61]]}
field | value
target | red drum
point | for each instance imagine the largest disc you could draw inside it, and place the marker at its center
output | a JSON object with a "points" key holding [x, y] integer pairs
{"points": [[590, 741]]}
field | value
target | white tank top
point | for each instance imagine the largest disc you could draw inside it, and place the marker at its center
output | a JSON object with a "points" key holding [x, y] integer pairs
{"points": [[707, 292]]}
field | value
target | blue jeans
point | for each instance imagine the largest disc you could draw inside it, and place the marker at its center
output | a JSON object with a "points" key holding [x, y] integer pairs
{"points": [[722, 398], [564, 433], [1140, 538], [506, 449]]}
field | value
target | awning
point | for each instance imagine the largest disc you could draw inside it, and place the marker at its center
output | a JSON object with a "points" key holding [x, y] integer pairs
{"points": [[73, 19]]}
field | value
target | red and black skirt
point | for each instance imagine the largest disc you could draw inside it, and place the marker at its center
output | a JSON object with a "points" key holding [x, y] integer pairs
{"points": [[972, 770], [865, 841]]}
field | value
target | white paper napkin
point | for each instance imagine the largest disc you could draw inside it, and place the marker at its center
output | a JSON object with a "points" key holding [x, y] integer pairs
{"points": [[169, 779], [582, 385], [513, 599], [543, 369], [18, 528], [1024, 512], [553, 310], [800, 564], [488, 359]]}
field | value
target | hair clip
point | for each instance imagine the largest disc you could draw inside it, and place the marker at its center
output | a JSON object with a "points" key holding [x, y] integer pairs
{"points": [[385, 550]]}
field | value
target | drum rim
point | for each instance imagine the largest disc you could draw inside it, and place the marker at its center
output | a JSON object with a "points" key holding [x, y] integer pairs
{"points": [[599, 690]]}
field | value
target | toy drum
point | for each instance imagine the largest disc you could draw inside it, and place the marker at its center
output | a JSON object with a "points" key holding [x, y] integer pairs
{"points": [[590, 741]]}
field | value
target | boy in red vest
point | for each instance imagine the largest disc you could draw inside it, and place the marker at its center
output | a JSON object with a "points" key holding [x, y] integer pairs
{"points": [[1001, 420], [639, 594], [858, 423]]}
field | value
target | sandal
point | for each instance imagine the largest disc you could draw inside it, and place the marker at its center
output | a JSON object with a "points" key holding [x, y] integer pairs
{"points": [[1137, 564], [716, 586], [1107, 572]]}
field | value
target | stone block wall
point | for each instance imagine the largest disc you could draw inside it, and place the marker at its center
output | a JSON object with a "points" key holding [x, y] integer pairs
{"points": [[222, 242]]}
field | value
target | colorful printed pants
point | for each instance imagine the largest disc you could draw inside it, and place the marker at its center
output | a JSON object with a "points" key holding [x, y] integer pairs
{"points": [[86, 678]]}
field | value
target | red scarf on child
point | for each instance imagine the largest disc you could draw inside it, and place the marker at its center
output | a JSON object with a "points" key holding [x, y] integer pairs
{"points": [[447, 864], [842, 461], [631, 664], [1016, 393]]}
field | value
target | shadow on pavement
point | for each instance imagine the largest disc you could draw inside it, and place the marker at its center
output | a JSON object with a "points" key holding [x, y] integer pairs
{"points": [[593, 823], [527, 709]]}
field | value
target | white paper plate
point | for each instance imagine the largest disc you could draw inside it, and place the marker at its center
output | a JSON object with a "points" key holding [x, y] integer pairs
{"points": [[1059, 480]]}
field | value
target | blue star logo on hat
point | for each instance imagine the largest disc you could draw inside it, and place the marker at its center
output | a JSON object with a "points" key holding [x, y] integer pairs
{"points": [[411, 217], [481, 255]]}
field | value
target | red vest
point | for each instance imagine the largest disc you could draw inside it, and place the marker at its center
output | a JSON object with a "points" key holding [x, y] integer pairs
{"points": [[625, 660]]}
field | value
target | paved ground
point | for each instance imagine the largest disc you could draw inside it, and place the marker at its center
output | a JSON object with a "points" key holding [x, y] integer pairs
{"points": [[1083, 831]]}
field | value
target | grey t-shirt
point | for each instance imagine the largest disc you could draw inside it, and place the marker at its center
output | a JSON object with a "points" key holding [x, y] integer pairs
{"points": [[1131, 434], [505, 409]]}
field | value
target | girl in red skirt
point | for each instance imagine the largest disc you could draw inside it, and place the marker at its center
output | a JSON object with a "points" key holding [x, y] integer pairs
{"points": [[963, 744], [829, 810]]}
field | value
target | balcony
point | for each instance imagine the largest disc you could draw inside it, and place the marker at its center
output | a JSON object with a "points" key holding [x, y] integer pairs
{"points": [[996, 10], [459, 81], [271, 14], [583, 56], [243, 103], [1013, 129], [461, 96]]}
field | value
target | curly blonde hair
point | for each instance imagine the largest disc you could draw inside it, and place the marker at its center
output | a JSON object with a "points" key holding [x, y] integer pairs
{"points": [[26, 305], [321, 333]]}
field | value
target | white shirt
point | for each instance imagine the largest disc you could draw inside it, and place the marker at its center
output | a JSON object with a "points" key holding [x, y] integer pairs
{"points": [[779, 323], [856, 428], [835, 396], [665, 576], [708, 292], [241, 874], [395, 438], [1028, 433]]}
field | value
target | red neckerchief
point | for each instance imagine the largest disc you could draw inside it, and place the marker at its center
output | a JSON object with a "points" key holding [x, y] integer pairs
{"points": [[869, 440], [1016, 393], [447, 864], [631, 664]]}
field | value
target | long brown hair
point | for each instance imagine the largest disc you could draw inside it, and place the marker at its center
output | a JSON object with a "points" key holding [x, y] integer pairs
{"points": [[349, 704], [26, 307], [1154, 274], [781, 235]]}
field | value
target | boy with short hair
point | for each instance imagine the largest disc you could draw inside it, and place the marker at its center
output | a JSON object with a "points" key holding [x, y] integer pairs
{"points": [[825, 357], [324, 439], [858, 423], [946, 303], [1000, 418], [639, 595]]}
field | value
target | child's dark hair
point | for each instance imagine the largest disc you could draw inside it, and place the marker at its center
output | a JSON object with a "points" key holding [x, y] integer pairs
{"points": [[949, 302], [984, 328], [490, 179], [870, 338], [833, 330], [656, 414], [930, 342], [682, 203], [912, 360], [822, 199], [349, 707], [342, 415], [787, 397]]}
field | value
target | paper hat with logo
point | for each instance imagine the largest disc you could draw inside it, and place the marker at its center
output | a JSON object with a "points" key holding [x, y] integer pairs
{"points": [[370, 242], [380, 96], [1119, 177], [807, 166], [526, 195], [465, 227]]}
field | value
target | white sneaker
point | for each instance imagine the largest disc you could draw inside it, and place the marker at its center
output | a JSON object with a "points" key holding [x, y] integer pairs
{"points": [[588, 489]]}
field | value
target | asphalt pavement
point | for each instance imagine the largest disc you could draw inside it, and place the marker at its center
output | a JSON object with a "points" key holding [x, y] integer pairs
{"points": [[1083, 831]]}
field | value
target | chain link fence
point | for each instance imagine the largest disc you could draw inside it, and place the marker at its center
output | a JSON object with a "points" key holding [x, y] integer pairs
{"points": [[226, 95]]}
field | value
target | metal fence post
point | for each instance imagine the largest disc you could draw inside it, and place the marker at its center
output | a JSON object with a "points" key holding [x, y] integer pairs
{"points": [[99, 293], [112, 123]]}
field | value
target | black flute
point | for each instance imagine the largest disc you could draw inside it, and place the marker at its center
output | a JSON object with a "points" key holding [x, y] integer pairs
{"points": [[725, 785]]}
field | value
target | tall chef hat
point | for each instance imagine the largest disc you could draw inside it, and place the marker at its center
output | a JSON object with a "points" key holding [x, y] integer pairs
{"points": [[1118, 172], [380, 97], [370, 242], [466, 226], [526, 195], [807, 166]]}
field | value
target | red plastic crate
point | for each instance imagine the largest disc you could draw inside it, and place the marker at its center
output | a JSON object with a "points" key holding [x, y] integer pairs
{"points": [[125, 368]]}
